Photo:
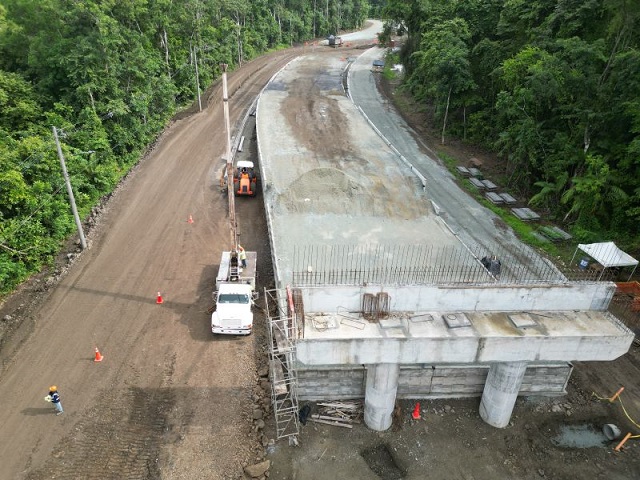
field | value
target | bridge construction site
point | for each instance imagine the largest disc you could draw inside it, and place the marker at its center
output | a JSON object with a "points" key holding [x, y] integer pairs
{"points": [[377, 297]]}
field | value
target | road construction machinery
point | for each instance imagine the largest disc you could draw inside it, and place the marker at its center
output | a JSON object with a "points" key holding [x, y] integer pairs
{"points": [[234, 295], [245, 180], [236, 279], [334, 41]]}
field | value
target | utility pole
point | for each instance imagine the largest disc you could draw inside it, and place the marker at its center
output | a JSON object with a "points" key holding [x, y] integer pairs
{"points": [[229, 158], [72, 200], [195, 62]]}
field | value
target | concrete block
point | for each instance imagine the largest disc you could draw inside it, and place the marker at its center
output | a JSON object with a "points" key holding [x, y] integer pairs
{"points": [[464, 171], [494, 198], [477, 183], [508, 199], [489, 185]]}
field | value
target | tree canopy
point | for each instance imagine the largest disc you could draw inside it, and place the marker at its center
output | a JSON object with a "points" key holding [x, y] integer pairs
{"points": [[108, 75]]}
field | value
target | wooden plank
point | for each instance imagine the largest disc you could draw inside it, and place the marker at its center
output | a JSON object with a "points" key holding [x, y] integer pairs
{"points": [[277, 380], [343, 406], [335, 424], [281, 341], [336, 419], [339, 383], [456, 389], [461, 372], [544, 389]]}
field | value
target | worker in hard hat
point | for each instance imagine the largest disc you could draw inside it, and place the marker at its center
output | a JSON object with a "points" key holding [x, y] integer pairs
{"points": [[243, 256], [54, 397]]}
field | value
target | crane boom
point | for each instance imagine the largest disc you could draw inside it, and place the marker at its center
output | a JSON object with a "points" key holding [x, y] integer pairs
{"points": [[229, 158], [236, 279]]}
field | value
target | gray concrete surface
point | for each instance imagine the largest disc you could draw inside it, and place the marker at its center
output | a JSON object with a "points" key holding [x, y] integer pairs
{"points": [[328, 178], [371, 30], [473, 223]]}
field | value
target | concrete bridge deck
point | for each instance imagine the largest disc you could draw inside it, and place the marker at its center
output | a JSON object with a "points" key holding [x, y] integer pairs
{"points": [[330, 180], [465, 337]]}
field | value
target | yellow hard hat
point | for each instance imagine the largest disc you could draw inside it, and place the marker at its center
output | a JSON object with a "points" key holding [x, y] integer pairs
{"points": [[53, 388]]}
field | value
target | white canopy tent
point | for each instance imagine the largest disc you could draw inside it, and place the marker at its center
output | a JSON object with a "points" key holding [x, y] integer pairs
{"points": [[608, 255]]}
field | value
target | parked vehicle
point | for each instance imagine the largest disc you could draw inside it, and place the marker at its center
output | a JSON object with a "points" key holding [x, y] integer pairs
{"points": [[234, 295], [334, 41]]}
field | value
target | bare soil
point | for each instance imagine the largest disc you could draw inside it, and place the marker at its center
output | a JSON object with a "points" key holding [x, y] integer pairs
{"points": [[171, 401]]}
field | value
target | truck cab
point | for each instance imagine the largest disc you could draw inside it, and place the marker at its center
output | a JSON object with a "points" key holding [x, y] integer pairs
{"points": [[233, 315]]}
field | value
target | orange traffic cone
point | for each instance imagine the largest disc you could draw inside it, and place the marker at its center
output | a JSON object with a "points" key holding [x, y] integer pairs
{"points": [[416, 412], [159, 299], [190, 219], [99, 356]]}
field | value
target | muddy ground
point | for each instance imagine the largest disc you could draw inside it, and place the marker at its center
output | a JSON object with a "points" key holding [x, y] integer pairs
{"points": [[170, 401]]}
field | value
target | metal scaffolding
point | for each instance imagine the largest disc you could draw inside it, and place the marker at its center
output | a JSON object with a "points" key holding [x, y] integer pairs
{"points": [[283, 332]]}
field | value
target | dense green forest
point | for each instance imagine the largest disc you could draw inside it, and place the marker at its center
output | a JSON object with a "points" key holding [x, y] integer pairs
{"points": [[552, 86], [109, 74]]}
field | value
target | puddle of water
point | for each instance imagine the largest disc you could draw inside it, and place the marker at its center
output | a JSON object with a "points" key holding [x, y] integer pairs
{"points": [[579, 436]]}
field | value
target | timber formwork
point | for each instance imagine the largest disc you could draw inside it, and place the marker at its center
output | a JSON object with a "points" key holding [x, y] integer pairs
{"points": [[282, 330]]}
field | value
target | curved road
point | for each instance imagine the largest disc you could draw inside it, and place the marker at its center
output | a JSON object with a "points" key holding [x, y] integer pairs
{"points": [[479, 228]]}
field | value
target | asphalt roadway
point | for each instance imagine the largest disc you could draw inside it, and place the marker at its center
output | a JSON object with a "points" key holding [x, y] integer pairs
{"points": [[482, 231]]}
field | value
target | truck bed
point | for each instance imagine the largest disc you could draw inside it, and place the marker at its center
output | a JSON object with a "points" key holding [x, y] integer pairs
{"points": [[247, 275]]}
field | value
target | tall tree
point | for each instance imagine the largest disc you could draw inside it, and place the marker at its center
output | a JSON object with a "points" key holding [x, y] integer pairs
{"points": [[442, 67]]}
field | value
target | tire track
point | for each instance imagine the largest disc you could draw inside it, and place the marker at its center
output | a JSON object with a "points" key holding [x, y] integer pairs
{"points": [[143, 414], [120, 439]]}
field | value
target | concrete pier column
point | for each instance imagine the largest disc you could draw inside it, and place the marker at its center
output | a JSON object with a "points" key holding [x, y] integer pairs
{"points": [[380, 395], [500, 392]]}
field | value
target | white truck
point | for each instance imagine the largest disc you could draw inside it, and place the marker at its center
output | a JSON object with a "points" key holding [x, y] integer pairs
{"points": [[234, 295]]}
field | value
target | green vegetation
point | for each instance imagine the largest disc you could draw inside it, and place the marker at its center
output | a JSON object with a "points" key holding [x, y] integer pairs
{"points": [[524, 230], [109, 75], [552, 86]]}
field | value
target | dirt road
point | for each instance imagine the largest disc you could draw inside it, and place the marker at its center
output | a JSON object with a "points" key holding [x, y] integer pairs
{"points": [[169, 400]]}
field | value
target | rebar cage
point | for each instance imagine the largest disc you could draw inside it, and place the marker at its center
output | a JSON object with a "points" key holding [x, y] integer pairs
{"points": [[315, 265]]}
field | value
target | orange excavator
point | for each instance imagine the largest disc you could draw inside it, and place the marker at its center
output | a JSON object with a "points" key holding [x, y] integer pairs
{"points": [[244, 179]]}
